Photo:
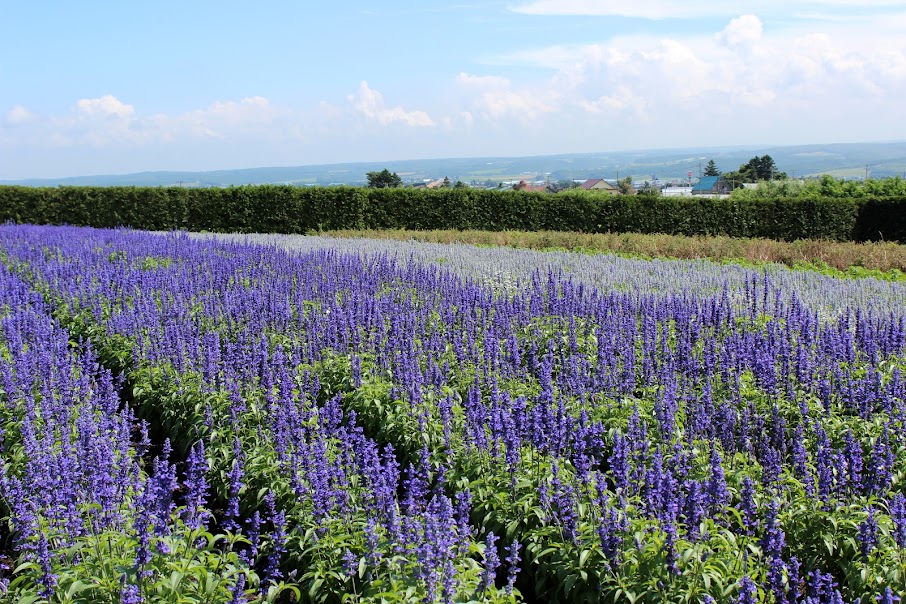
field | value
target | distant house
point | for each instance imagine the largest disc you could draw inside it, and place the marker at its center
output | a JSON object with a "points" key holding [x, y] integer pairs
{"points": [[535, 188], [711, 185], [599, 184]]}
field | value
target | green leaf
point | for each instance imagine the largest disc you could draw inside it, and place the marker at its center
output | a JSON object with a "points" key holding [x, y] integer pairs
{"points": [[568, 584], [76, 587], [26, 566], [314, 587]]}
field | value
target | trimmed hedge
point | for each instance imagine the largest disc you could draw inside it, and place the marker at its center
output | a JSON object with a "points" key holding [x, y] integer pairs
{"points": [[285, 209]]}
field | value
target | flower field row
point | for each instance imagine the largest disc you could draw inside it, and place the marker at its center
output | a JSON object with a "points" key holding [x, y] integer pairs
{"points": [[374, 426], [88, 523], [505, 268]]}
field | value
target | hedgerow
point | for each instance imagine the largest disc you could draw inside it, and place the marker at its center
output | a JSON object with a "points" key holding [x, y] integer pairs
{"points": [[285, 209]]}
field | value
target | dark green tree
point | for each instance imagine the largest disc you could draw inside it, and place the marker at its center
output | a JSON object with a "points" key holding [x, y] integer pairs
{"points": [[446, 184], [711, 169], [383, 179], [459, 185], [760, 168]]}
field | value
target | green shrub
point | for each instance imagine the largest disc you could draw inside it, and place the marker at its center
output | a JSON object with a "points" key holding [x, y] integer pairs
{"points": [[286, 209]]}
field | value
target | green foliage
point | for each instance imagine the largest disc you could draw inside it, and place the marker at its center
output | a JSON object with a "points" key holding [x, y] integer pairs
{"points": [[384, 179], [198, 566], [828, 186], [649, 189], [783, 211], [711, 169], [755, 170], [625, 185]]}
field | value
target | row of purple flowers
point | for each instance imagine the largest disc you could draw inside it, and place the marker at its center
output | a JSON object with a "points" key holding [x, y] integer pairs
{"points": [[616, 437]]}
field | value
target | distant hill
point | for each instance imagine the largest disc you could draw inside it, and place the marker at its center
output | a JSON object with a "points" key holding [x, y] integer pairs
{"points": [[845, 160]]}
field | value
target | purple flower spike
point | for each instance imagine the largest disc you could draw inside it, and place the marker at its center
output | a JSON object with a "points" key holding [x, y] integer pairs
{"points": [[491, 562]]}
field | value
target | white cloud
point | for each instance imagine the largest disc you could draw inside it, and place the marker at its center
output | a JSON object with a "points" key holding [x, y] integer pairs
{"points": [[741, 32], [889, 64], [745, 82], [620, 99], [107, 121], [522, 104], [650, 9], [668, 9], [224, 119], [739, 57], [108, 134], [19, 115], [496, 98], [105, 106], [370, 103], [256, 108], [482, 82]]}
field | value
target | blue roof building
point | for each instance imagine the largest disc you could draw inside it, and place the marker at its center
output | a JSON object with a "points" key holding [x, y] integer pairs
{"points": [[711, 185]]}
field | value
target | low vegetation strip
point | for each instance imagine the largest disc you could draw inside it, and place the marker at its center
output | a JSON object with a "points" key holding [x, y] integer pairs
{"points": [[285, 209], [878, 259]]}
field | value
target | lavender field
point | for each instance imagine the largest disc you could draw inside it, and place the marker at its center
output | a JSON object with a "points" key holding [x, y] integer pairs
{"points": [[196, 418]]}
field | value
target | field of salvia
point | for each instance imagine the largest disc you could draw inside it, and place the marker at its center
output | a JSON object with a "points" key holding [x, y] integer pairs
{"points": [[237, 419], [879, 259]]}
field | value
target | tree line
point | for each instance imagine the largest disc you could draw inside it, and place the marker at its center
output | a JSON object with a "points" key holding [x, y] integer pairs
{"points": [[757, 169]]}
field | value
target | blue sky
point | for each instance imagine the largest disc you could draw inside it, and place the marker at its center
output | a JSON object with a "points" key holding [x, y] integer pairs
{"points": [[111, 87]]}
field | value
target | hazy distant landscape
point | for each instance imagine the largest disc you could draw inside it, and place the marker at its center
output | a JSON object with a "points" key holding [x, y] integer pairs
{"points": [[848, 160]]}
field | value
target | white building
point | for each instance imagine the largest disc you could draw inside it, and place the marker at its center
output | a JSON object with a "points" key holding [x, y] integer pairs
{"points": [[677, 191]]}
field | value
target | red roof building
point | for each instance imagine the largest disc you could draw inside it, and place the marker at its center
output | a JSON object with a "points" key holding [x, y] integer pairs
{"points": [[599, 184]]}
